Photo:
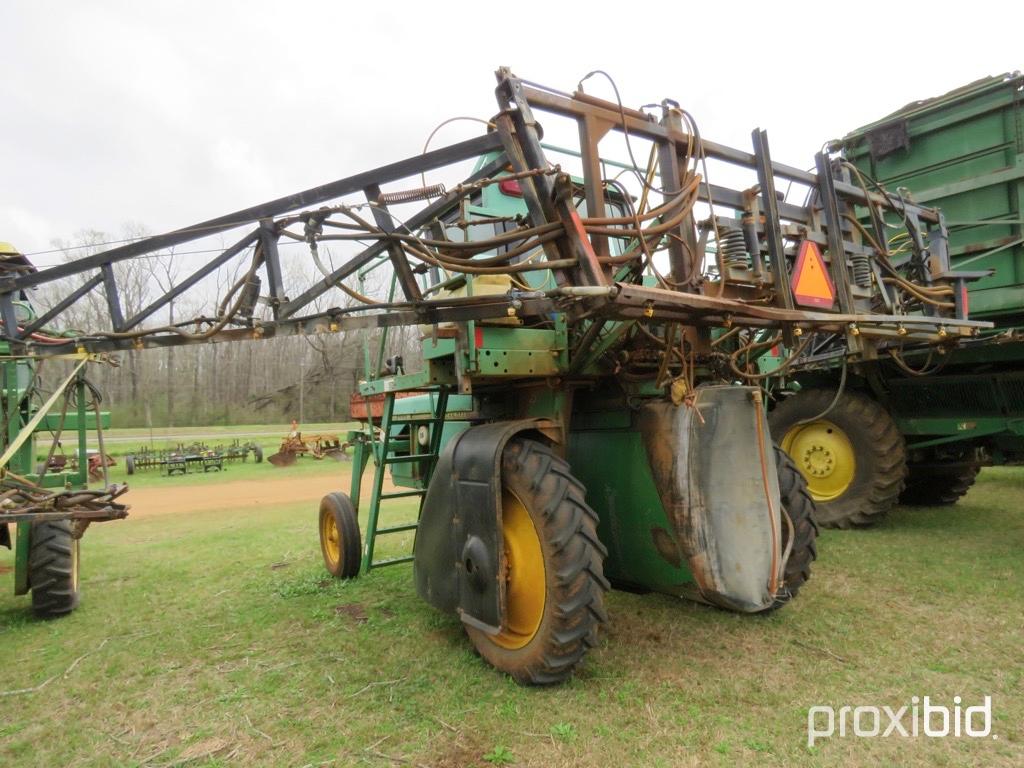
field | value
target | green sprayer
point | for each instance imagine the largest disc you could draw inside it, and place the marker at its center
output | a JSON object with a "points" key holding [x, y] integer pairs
{"points": [[584, 407]]}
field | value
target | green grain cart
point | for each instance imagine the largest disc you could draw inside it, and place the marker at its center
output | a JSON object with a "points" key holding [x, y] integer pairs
{"points": [[914, 426]]}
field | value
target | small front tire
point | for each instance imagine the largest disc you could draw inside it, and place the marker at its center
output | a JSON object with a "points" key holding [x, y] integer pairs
{"points": [[340, 542]]}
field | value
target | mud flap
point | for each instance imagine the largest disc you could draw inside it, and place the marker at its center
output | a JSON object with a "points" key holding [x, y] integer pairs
{"points": [[715, 471], [459, 553]]}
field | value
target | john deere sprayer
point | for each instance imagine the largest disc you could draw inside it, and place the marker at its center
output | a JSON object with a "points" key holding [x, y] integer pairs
{"points": [[915, 425], [587, 409]]}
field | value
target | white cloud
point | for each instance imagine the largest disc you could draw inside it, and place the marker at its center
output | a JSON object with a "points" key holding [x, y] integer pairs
{"points": [[170, 113]]}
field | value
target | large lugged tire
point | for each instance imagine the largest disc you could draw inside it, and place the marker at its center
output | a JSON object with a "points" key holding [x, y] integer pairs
{"points": [[129, 465], [340, 542], [554, 581], [799, 505], [854, 459], [936, 486], [53, 561]]}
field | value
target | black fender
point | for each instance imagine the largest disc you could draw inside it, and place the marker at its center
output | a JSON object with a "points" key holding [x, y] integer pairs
{"points": [[459, 551]]}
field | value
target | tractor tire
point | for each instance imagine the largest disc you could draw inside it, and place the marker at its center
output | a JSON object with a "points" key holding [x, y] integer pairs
{"points": [[554, 580], [854, 459], [257, 453], [340, 542], [129, 465], [936, 487], [799, 506], [53, 561]]}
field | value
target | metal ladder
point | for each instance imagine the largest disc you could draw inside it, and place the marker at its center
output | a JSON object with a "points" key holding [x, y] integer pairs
{"points": [[380, 450]]}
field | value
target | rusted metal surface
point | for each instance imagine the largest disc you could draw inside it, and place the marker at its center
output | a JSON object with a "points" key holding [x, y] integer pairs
{"points": [[23, 501], [318, 446], [725, 521], [365, 407]]}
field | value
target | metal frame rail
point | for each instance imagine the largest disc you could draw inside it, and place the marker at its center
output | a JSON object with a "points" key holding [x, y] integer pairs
{"points": [[586, 284]]}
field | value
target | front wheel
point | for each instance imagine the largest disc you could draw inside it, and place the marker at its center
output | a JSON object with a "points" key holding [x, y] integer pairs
{"points": [[554, 577], [53, 560], [850, 452], [339, 536]]}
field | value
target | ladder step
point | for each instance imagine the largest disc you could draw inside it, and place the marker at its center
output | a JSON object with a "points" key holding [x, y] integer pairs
{"points": [[398, 528], [403, 494], [391, 561], [410, 458]]}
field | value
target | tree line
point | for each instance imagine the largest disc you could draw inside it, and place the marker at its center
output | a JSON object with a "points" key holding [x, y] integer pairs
{"points": [[306, 378]]}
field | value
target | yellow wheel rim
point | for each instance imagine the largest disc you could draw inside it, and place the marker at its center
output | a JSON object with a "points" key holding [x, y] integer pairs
{"points": [[330, 540], [825, 457], [525, 578]]}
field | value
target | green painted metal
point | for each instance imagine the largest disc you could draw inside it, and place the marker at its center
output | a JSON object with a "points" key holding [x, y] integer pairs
{"points": [[21, 550], [398, 450], [611, 462], [965, 155]]}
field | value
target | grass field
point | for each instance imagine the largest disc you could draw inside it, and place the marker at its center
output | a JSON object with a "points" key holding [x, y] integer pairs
{"points": [[215, 638]]}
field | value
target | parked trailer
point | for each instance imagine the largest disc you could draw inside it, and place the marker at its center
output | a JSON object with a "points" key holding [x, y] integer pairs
{"points": [[916, 428], [589, 412]]}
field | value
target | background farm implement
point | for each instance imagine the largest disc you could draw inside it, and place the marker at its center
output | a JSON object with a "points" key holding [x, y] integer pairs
{"points": [[192, 457]]}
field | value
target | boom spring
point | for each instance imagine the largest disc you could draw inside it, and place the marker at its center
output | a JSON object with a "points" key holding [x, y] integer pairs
{"points": [[861, 270], [734, 248]]}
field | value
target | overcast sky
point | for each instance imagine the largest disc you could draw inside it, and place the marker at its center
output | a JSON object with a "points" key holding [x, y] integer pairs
{"points": [[167, 113]]}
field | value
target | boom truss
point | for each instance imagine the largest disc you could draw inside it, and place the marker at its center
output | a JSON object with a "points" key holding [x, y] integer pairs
{"points": [[598, 259]]}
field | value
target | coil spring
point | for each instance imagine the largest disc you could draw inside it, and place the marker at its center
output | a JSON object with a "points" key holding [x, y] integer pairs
{"points": [[733, 248], [412, 195], [861, 270]]}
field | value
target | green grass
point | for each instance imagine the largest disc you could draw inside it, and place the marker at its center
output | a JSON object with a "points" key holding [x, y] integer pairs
{"points": [[233, 470], [217, 640]]}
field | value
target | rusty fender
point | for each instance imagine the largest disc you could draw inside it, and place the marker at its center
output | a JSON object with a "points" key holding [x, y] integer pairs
{"points": [[720, 492]]}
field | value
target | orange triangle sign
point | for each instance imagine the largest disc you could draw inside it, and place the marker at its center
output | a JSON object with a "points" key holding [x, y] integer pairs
{"points": [[812, 286]]}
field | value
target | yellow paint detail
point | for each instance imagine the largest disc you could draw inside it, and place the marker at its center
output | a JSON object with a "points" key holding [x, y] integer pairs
{"points": [[525, 577], [6, 249], [825, 457], [330, 540]]}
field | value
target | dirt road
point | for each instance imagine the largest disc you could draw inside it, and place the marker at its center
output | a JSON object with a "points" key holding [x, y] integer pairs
{"points": [[264, 492]]}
